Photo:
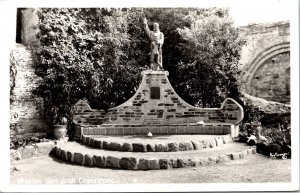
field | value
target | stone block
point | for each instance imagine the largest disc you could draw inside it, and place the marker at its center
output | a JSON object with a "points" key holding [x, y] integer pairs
{"points": [[44, 148], [92, 131], [87, 141], [235, 156], [227, 139], [203, 161], [254, 150], [172, 130], [78, 158], [88, 160], [110, 131], [212, 143], [219, 141], [173, 163], [164, 164], [99, 161], [195, 145], [114, 146], [139, 147], [53, 151], [244, 153], [163, 130], [101, 131], [158, 147], [105, 145], [212, 159], [127, 147], [83, 138], [128, 163], [27, 152], [69, 156], [150, 148], [58, 151], [192, 162], [181, 163], [181, 130], [241, 155], [15, 155], [190, 130], [63, 155], [98, 144], [91, 142], [119, 131], [173, 146], [185, 146], [136, 131], [200, 144], [112, 162], [222, 158], [128, 131], [153, 164], [249, 151], [154, 130], [143, 164], [206, 143]]}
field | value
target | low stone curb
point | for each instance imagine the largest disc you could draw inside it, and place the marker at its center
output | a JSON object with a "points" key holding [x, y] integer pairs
{"points": [[132, 163], [159, 147], [34, 150]]}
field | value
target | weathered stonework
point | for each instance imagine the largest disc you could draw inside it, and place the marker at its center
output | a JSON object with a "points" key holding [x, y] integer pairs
{"points": [[26, 111], [266, 61], [157, 108]]}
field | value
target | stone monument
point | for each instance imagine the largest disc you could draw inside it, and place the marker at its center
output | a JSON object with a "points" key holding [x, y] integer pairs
{"points": [[156, 107]]}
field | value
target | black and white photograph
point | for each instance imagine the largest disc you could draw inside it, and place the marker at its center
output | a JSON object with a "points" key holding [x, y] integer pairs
{"points": [[187, 96]]}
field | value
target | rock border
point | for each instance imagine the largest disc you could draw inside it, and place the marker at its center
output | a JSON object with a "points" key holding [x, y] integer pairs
{"points": [[132, 163], [34, 150], [159, 147]]}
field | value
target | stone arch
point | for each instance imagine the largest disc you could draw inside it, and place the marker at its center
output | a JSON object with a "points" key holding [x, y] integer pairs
{"points": [[250, 70]]}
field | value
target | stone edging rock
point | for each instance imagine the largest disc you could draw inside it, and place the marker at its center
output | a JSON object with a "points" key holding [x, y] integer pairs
{"points": [[132, 163], [34, 150], [159, 147]]}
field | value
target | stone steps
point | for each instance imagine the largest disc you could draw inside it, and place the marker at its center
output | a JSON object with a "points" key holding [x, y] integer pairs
{"points": [[77, 153], [161, 143]]}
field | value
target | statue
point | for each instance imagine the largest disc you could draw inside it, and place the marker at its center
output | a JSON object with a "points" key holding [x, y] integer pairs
{"points": [[157, 39]]}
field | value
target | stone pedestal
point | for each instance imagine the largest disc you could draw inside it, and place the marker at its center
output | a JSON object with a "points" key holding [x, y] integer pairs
{"points": [[157, 108]]}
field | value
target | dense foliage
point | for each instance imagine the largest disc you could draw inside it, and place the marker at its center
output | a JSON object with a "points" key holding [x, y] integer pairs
{"points": [[98, 54]]}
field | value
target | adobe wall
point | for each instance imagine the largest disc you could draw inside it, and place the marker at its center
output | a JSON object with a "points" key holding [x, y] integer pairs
{"points": [[266, 61], [26, 111]]}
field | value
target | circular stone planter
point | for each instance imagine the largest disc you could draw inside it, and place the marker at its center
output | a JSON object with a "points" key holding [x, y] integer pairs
{"points": [[77, 154], [172, 145], [59, 131]]}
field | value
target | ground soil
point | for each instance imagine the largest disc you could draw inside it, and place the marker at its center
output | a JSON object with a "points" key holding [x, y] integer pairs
{"points": [[254, 168]]}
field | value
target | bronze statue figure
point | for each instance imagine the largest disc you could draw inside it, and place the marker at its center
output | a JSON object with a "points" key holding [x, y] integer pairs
{"points": [[157, 39]]}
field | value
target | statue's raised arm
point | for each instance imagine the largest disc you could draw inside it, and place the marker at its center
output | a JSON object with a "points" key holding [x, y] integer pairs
{"points": [[157, 39]]}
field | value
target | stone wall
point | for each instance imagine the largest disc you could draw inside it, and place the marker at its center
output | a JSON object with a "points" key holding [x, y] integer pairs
{"points": [[266, 61], [26, 110], [29, 26], [157, 107]]}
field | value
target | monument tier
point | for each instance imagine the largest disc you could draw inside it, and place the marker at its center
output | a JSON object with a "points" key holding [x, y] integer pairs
{"points": [[157, 108]]}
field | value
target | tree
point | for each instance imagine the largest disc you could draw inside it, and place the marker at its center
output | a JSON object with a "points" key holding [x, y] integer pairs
{"points": [[98, 54], [208, 69]]}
